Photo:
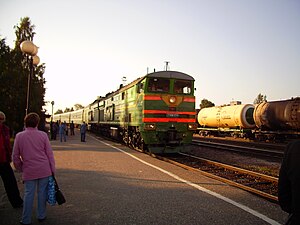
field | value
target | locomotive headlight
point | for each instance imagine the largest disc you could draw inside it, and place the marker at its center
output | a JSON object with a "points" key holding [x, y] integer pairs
{"points": [[192, 126], [150, 126], [172, 99]]}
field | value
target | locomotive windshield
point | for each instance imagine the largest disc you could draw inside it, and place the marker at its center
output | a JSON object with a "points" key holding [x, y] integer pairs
{"points": [[183, 87], [158, 85]]}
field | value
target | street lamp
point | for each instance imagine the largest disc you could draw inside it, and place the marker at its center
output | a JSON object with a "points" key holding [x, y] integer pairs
{"points": [[30, 49], [52, 103]]}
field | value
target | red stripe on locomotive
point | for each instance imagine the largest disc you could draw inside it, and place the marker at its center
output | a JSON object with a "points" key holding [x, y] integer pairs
{"points": [[166, 120], [167, 112]]}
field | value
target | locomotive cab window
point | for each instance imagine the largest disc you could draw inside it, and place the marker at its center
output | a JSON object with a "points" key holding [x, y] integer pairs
{"points": [[183, 87], [158, 85], [140, 88]]}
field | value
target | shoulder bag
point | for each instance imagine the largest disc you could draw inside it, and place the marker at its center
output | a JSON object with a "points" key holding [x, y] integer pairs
{"points": [[60, 198], [55, 195]]}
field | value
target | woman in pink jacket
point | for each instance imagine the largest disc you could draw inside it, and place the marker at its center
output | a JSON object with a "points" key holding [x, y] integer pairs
{"points": [[33, 156]]}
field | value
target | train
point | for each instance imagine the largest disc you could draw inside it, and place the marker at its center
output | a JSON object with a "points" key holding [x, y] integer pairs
{"points": [[154, 113], [272, 121]]}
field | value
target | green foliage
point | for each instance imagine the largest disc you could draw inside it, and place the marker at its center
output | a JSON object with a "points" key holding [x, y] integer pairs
{"points": [[206, 103], [78, 106], [59, 111], [260, 98], [14, 72], [68, 110]]}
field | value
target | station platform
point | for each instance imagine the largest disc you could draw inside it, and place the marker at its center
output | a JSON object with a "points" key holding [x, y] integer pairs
{"points": [[106, 183]]}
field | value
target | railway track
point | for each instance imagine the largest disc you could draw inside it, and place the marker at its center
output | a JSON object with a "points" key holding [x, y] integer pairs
{"points": [[259, 184], [276, 154], [243, 142]]}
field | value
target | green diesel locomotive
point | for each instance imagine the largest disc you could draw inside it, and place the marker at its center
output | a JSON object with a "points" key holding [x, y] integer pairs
{"points": [[155, 113]]}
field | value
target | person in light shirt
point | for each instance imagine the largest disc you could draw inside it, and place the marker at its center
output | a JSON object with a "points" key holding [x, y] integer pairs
{"points": [[33, 156]]}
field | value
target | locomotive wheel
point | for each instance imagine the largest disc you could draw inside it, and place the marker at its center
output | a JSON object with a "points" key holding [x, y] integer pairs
{"points": [[125, 137]]}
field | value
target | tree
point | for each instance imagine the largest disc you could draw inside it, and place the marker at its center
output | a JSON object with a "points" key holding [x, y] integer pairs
{"points": [[59, 111], [78, 106], [260, 98], [7, 83], [14, 71], [206, 103], [24, 31], [37, 90], [67, 110], [12, 86]]}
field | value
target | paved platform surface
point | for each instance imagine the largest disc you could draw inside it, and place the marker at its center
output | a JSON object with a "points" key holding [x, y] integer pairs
{"points": [[106, 183]]}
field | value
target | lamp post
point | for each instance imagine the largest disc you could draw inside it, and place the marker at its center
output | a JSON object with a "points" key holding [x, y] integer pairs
{"points": [[51, 123], [30, 49], [52, 103]]}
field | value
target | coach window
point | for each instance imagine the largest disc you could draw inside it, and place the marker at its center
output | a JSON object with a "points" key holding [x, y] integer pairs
{"points": [[182, 87], [158, 85]]}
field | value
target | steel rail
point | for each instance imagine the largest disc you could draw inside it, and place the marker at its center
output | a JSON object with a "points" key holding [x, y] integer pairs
{"points": [[234, 168], [238, 148], [225, 180]]}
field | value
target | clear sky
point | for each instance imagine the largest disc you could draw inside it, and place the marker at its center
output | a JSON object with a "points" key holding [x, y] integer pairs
{"points": [[235, 49]]}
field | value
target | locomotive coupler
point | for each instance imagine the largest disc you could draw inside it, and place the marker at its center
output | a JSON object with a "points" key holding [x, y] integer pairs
{"points": [[172, 137]]}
